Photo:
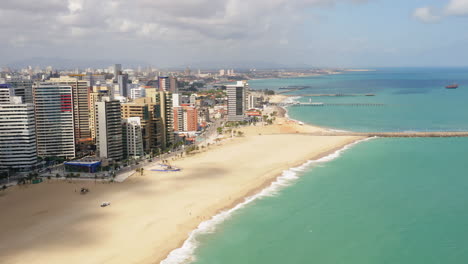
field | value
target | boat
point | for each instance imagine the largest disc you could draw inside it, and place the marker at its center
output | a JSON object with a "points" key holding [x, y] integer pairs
{"points": [[452, 86]]}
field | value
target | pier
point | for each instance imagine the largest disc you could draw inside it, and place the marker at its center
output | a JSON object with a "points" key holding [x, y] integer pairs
{"points": [[325, 95], [441, 134], [328, 104]]}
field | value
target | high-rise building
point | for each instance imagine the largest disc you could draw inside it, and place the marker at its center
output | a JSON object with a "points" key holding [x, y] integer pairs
{"points": [[173, 88], [164, 100], [53, 107], [151, 124], [237, 97], [122, 81], [117, 70], [137, 93], [185, 119], [221, 72], [18, 150], [94, 79], [23, 88], [164, 83], [5, 93], [132, 136], [109, 129], [81, 91], [94, 97]]}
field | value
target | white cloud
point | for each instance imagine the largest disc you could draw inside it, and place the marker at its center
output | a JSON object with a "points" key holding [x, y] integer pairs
{"points": [[453, 8], [425, 14], [169, 24], [457, 7]]}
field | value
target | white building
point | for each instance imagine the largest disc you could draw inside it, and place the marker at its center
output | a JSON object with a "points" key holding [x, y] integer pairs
{"points": [[176, 99], [133, 137], [17, 136], [237, 98], [53, 106], [137, 93], [193, 99]]}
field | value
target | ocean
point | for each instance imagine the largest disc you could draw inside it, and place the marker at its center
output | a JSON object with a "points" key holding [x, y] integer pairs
{"points": [[383, 200]]}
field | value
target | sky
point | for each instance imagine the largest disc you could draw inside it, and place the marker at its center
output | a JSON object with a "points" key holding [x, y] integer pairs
{"points": [[254, 33]]}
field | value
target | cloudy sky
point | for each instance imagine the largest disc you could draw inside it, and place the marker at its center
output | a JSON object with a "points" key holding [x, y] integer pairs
{"points": [[334, 33]]}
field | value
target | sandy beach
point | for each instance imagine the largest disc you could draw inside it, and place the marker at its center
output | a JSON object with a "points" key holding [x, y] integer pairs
{"points": [[150, 215]]}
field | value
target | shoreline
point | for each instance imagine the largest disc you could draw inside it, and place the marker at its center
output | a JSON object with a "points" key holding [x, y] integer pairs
{"points": [[184, 253], [140, 227]]}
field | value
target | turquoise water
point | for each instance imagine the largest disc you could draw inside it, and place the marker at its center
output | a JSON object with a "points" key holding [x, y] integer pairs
{"points": [[414, 100], [381, 201]]}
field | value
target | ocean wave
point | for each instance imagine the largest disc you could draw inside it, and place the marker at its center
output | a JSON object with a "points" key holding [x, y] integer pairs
{"points": [[185, 254], [290, 100]]}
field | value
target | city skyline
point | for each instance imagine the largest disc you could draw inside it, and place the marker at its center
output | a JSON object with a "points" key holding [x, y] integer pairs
{"points": [[262, 34]]}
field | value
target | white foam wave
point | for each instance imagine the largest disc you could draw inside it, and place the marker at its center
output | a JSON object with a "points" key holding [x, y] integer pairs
{"points": [[185, 254], [290, 100]]}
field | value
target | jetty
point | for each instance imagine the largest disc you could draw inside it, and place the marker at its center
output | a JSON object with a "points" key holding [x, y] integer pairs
{"points": [[328, 104], [326, 95], [440, 134]]}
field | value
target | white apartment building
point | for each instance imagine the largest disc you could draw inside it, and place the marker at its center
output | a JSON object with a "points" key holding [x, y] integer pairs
{"points": [[17, 136], [137, 93], [53, 106], [133, 137]]}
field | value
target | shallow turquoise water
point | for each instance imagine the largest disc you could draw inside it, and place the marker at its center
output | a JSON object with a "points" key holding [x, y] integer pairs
{"points": [[383, 201], [414, 100]]}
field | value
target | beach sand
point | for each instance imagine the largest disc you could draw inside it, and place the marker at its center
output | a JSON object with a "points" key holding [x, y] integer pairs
{"points": [[149, 215]]}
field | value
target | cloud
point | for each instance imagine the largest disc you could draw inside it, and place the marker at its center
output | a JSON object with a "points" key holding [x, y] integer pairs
{"points": [[425, 15], [457, 8], [214, 25], [453, 8]]}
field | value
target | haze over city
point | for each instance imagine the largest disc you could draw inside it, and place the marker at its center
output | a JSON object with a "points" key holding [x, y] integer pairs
{"points": [[212, 33]]}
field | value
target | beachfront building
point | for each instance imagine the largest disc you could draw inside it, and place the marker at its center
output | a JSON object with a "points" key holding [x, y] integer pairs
{"points": [[132, 136], [164, 100], [109, 129], [17, 135], [81, 90], [53, 109], [185, 119], [237, 99], [151, 124]]}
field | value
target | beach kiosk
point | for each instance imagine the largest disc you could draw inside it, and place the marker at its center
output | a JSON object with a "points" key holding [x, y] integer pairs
{"points": [[82, 166]]}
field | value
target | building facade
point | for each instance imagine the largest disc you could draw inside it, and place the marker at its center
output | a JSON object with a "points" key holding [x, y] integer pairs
{"points": [[185, 119], [55, 131], [237, 98], [109, 129], [22, 88], [151, 124], [164, 100], [18, 150], [81, 90], [132, 135]]}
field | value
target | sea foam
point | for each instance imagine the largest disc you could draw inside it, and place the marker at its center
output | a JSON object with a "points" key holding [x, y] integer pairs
{"points": [[185, 254]]}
